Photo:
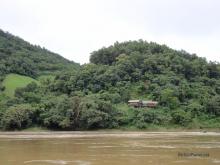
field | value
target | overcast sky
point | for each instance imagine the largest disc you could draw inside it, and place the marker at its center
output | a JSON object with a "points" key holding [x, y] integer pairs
{"points": [[75, 28]]}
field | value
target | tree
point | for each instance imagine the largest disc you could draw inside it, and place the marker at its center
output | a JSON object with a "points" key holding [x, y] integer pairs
{"points": [[97, 114], [195, 109], [18, 117], [213, 106], [168, 98], [181, 117]]}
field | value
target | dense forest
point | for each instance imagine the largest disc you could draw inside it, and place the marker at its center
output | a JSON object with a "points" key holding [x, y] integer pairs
{"points": [[95, 95], [19, 56]]}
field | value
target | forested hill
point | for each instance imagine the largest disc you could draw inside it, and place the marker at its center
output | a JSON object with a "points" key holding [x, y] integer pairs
{"points": [[19, 56], [186, 87]]}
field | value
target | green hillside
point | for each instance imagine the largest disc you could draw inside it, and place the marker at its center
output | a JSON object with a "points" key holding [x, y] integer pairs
{"points": [[95, 96], [20, 57], [186, 87], [14, 81]]}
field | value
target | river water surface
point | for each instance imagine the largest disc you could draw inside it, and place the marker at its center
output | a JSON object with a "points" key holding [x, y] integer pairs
{"points": [[109, 148]]}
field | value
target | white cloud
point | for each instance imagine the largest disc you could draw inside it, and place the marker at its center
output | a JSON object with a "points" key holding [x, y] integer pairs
{"points": [[75, 28]]}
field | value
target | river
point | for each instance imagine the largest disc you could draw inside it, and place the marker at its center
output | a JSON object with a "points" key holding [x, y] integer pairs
{"points": [[109, 148]]}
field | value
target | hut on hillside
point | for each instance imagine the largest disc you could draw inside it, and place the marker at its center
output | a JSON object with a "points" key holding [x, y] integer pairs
{"points": [[135, 103], [142, 103], [149, 103]]}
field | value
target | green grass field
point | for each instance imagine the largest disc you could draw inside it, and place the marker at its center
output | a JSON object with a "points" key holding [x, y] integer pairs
{"points": [[13, 81]]}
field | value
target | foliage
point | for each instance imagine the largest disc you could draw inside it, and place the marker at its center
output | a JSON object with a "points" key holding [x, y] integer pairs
{"points": [[20, 57], [151, 116], [213, 106], [18, 117], [77, 113], [181, 117], [95, 96]]}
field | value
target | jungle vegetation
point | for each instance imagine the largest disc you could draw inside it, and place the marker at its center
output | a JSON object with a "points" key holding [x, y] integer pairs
{"points": [[95, 95]]}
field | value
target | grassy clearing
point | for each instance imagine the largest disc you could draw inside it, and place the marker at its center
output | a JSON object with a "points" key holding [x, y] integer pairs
{"points": [[13, 81]]}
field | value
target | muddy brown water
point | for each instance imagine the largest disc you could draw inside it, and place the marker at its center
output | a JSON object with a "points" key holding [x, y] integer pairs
{"points": [[109, 148]]}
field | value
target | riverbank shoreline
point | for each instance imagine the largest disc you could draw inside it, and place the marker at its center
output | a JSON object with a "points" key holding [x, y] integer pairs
{"points": [[98, 134], [122, 129]]}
